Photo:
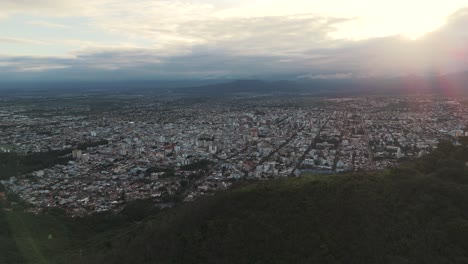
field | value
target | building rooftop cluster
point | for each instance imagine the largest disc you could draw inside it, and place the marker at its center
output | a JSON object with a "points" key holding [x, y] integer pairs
{"points": [[162, 150]]}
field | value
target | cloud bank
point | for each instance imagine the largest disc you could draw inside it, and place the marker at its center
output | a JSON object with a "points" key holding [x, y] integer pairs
{"points": [[196, 40]]}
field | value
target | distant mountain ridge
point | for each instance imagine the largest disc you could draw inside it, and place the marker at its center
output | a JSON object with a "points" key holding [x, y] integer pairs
{"points": [[455, 84], [448, 85]]}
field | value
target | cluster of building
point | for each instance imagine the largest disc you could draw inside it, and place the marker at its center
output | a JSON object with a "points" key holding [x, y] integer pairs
{"points": [[152, 150]]}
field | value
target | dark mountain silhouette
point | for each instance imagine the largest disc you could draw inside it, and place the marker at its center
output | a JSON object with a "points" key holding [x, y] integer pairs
{"points": [[445, 85]]}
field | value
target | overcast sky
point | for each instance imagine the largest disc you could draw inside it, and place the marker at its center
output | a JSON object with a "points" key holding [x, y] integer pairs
{"points": [[215, 39]]}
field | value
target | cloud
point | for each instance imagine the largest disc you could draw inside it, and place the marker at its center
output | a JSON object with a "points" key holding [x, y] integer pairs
{"points": [[47, 24], [257, 47], [180, 24], [51, 8], [22, 67], [16, 41], [176, 24]]}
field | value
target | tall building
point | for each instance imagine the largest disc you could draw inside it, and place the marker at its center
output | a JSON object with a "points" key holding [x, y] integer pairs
{"points": [[85, 158], [254, 132], [213, 149], [76, 154]]}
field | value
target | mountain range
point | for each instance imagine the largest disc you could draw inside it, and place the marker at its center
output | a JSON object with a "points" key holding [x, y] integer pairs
{"points": [[450, 85]]}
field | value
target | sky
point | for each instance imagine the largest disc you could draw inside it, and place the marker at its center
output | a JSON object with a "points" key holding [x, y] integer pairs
{"points": [[89, 40]]}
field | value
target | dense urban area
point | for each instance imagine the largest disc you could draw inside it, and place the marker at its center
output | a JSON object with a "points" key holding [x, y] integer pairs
{"points": [[98, 154]]}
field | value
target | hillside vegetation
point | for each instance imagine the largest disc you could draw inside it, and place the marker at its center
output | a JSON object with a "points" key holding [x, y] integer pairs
{"points": [[417, 213]]}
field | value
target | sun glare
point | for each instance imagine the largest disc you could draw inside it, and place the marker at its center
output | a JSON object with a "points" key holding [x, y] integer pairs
{"points": [[417, 29]]}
